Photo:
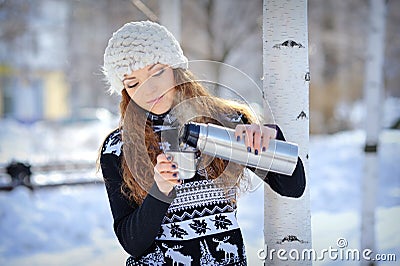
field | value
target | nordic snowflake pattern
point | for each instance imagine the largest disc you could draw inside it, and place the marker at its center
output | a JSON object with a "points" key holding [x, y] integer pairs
{"points": [[195, 228], [113, 143]]}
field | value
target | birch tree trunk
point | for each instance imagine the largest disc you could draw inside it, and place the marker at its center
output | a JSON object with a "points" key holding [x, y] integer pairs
{"points": [[170, 16], [373, 99], [287, 221]]}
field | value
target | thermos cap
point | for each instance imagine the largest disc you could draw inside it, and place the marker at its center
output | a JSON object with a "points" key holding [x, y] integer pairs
{"points": [[191, 134]]}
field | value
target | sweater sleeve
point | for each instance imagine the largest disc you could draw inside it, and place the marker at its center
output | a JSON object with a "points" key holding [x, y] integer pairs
{"points": [[136, 226], [285, 185]]}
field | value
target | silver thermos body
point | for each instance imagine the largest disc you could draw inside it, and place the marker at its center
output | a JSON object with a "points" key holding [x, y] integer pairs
{"points": [[280, 157]]}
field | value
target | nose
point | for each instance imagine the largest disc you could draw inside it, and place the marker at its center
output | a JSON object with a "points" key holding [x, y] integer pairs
{"points": [[156, 87], [149, 87]]}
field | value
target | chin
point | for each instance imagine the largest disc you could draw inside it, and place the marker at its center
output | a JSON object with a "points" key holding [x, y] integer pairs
{"points": [[159, 111]]}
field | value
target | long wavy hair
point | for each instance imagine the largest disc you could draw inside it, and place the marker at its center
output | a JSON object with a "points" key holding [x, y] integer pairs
{"points": [[193, 102]]}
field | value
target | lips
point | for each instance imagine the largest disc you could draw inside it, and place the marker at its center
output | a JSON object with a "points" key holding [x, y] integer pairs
{"points": [[155, 100]]}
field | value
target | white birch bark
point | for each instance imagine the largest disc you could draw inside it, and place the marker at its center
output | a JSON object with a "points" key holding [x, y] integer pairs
{"points": [[170, 16], [287, 221], [373, 99]]}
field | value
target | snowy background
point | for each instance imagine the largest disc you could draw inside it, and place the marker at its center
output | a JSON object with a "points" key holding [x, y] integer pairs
{"points": [[72, 225]]}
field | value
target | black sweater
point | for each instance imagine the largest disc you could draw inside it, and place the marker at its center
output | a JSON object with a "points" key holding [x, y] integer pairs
{"points": [[200, 214]]}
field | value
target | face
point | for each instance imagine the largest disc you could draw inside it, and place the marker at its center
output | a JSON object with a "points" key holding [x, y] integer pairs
{"points": [[152, 87]]}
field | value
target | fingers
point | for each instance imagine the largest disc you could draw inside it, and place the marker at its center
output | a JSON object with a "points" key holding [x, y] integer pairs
{"points": [[246, 132], [257, 140], [248, 139], [256, 137], [165, 164], [167, 178], [239, 131], [166, 173], [265, 143], [164, 158], [166, 181], [268, 134], [166, 169]]}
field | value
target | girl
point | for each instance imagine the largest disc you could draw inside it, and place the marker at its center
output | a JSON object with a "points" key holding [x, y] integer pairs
{"points": [[158, 218]]}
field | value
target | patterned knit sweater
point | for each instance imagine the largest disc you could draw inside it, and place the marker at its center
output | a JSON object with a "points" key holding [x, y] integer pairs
{"points": [[195, 226]]}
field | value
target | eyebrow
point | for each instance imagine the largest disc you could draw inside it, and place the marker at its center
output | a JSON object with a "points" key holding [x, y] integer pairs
{"points": [[150, 68], [128, 78]]}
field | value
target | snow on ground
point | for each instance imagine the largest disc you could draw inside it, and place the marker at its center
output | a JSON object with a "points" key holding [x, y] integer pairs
{"points": [[62, 226], [336, 171], [72, 225]]}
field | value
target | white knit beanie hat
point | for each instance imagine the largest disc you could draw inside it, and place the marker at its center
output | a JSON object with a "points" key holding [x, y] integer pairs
{"points": [[136, 45]]}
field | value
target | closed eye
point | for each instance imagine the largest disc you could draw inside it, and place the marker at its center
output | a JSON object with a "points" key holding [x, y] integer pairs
{"points": [[159, 73], [132, 86]]}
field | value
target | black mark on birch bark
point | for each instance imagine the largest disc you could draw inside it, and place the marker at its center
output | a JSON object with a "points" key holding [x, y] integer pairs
{"points": [[291, 238], [288, 43], [307, 76], [302, 115], [371, 148], [307, 156]]}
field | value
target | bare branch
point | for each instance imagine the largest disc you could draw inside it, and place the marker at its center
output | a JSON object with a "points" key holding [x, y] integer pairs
{"points": [[145, 10]]}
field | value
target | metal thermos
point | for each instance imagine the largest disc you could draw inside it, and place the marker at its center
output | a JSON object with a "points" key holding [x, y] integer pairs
{"points": [[280, 157]]}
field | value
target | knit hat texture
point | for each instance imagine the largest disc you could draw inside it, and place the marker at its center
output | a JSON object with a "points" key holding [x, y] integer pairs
{"points": [[136, 45]]}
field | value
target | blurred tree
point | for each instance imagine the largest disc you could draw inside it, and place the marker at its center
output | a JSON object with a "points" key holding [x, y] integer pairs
{"points": [[213, 30], [373, 88], [12, 27], [170, 16]]}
